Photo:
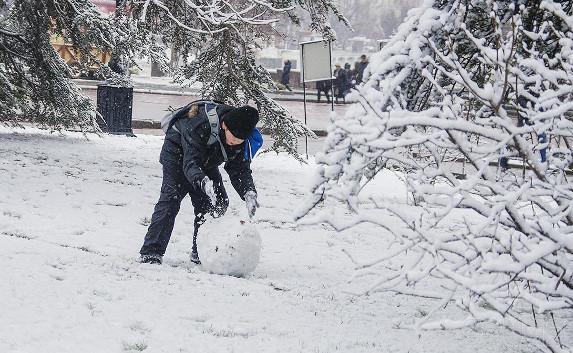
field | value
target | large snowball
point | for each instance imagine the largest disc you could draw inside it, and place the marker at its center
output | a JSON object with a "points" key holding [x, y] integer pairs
{"points": [[231, 247]]}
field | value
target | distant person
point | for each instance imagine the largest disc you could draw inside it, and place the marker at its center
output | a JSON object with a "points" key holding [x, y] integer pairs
{"points": [[116, 64], [361, 67], [323, 86], [286, 75], [350, 77], [340, 83]]}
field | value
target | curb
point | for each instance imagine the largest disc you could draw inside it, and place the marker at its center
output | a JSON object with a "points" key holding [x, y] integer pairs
{"points": [[150, 124]]}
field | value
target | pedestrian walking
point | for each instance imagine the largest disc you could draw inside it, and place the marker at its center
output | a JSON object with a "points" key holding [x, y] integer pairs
{"points": [[350, 78], [199, 138], [361, 67], [285, 79], [323, 87], [340, 83]]}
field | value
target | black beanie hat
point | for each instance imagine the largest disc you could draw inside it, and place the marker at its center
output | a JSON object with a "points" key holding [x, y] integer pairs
{"points": [[241, 121]]}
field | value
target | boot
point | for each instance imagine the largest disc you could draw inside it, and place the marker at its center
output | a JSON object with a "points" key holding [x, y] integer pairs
{"points": [[153, 259], [194, 257]]}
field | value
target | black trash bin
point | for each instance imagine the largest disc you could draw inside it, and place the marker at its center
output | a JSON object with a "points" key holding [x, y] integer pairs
{"points": [[115, 103]]}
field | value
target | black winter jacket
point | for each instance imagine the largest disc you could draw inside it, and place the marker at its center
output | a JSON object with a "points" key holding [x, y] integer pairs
{"points": [[188, 149], [286, 74]]}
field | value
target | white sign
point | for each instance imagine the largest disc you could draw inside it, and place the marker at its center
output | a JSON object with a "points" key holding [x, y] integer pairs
{"points": [[316, 61]]}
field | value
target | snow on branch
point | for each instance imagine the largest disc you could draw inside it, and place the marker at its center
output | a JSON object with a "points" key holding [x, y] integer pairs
{"points": [[33, 78], [217, 41], [470, 102]]}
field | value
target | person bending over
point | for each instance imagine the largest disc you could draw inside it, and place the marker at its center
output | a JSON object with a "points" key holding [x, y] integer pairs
{"points": [[191, 156]]}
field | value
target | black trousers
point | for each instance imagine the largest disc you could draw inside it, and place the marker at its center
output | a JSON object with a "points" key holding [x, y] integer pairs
{"points": [[173, 189], [325, 93]]}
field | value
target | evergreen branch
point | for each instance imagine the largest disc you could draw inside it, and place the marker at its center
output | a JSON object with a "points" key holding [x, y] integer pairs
{"points": [[181, 24], [16, 35]]}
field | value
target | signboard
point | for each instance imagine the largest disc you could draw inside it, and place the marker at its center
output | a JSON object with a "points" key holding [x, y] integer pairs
{"points": [[316, 61]]}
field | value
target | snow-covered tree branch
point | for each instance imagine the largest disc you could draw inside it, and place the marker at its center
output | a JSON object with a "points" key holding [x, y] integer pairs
{"points": [[34, 80], [218, 40], [470, 103]]}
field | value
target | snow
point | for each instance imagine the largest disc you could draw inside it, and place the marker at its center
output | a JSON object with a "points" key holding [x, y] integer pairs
{"points": [[232, 246], [73, 214]]}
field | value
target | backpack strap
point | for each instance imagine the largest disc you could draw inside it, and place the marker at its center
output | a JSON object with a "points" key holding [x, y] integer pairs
{"points": [[174, 127], [211, 112]]}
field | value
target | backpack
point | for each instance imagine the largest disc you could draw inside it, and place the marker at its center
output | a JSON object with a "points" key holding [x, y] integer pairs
{"points": [[252, 143], [171, 118]]}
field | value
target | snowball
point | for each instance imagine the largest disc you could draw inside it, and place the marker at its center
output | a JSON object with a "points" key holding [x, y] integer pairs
{"points": [[232, 247]]}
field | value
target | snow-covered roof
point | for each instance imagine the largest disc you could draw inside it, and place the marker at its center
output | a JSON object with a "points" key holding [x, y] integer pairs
{"points": [[359, 39]]}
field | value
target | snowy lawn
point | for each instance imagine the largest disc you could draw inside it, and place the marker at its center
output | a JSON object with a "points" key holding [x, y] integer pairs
{"points": [[73, 214]]}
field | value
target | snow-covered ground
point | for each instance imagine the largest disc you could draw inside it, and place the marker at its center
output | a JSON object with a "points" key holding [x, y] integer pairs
{"points": [[73, 214]]}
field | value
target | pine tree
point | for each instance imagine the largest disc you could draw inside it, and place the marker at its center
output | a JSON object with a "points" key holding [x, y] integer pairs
{"points": [[463, 91], [34, 80], [218, 37], [218, 40]]}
